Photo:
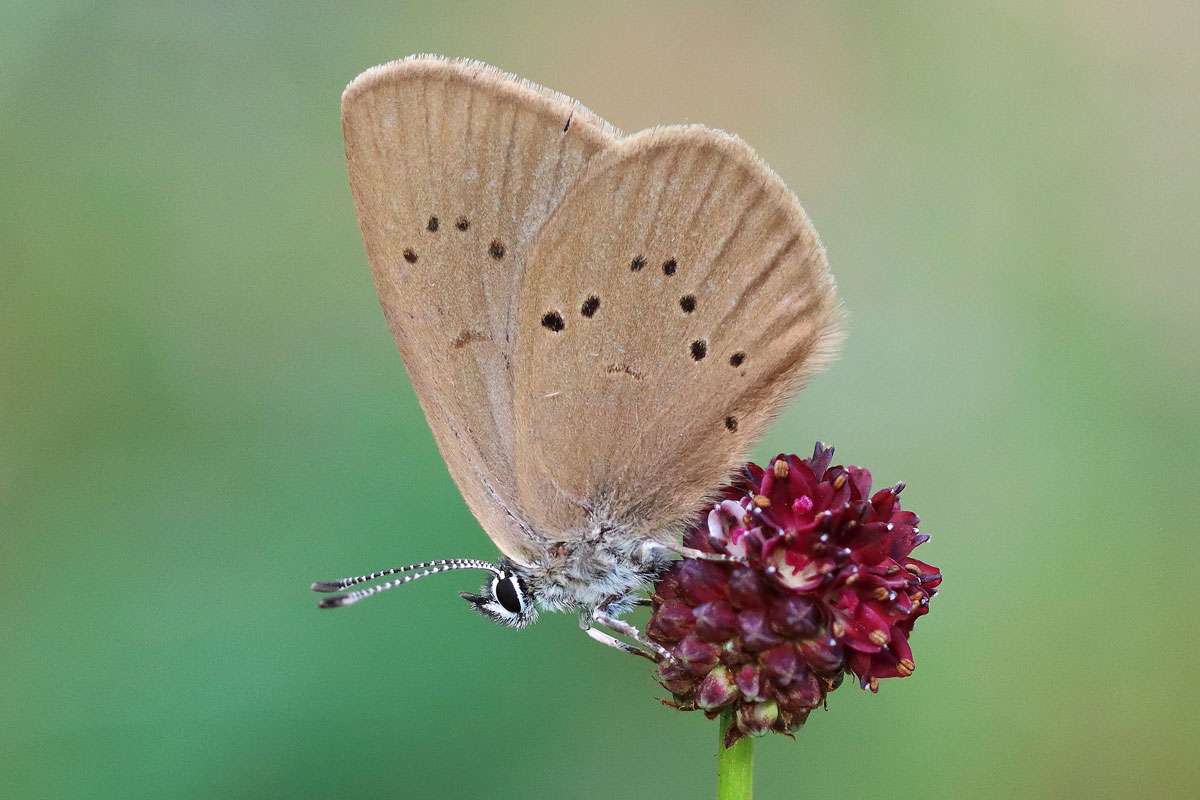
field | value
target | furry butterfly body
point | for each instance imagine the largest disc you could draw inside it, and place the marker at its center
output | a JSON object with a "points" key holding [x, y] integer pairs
{"points": [[597, 326]]}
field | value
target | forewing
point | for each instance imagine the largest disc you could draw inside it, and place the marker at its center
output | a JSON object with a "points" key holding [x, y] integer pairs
{"points": [[674, 300], [454, 167]]}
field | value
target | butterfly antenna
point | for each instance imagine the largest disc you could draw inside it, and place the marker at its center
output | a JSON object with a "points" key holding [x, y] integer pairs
{"points": [[408, 574]]}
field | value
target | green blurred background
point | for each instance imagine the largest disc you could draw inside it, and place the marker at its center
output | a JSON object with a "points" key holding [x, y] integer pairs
{"points": [[202, 409]]}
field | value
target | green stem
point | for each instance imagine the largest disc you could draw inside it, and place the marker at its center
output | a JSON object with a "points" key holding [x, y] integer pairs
{"points": [[735, 765]]}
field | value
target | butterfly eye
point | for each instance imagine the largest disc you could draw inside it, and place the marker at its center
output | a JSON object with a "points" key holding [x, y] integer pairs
{"points": [[509, 595], [505, 598]]}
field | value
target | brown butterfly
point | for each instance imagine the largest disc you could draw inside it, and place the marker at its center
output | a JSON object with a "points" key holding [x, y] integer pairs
{"points": [[597, 325]]}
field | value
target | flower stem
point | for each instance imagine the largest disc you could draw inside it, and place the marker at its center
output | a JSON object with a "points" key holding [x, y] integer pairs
{"points": [[735, 765]]}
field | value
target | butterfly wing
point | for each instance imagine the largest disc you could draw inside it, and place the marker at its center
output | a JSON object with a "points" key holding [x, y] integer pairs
{"points": [[672, 303], [454, 167]]}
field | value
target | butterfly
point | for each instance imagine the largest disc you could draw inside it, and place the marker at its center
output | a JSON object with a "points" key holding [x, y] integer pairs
{"points": [[597, 325]]}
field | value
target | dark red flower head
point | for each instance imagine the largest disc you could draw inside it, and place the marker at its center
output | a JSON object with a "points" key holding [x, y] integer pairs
{"points": [[828, 587]]}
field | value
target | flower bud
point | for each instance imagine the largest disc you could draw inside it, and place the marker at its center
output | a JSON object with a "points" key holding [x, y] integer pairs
{"points": [[697, 655], [793, 616], [757, 718], [755, 633], [749, 682], [780, 663], [823, 655], [715, 621], [701, 581], [802, 695], [676, 678], [716, 690], [746, 588], [672, 621]]}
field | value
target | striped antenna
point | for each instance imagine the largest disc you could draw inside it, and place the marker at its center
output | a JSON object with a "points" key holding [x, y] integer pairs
{"points": [[408, 574]]}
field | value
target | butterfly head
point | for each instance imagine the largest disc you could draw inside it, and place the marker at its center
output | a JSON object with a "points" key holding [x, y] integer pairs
{"points": [[606, 571], [505, 598]]}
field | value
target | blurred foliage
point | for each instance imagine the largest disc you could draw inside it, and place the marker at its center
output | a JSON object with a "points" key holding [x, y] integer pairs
{"points": [[201, 409]]}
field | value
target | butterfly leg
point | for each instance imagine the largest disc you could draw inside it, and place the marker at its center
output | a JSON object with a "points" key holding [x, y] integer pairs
{"points": [[614, 642], [704, 555], [624, 628]]}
